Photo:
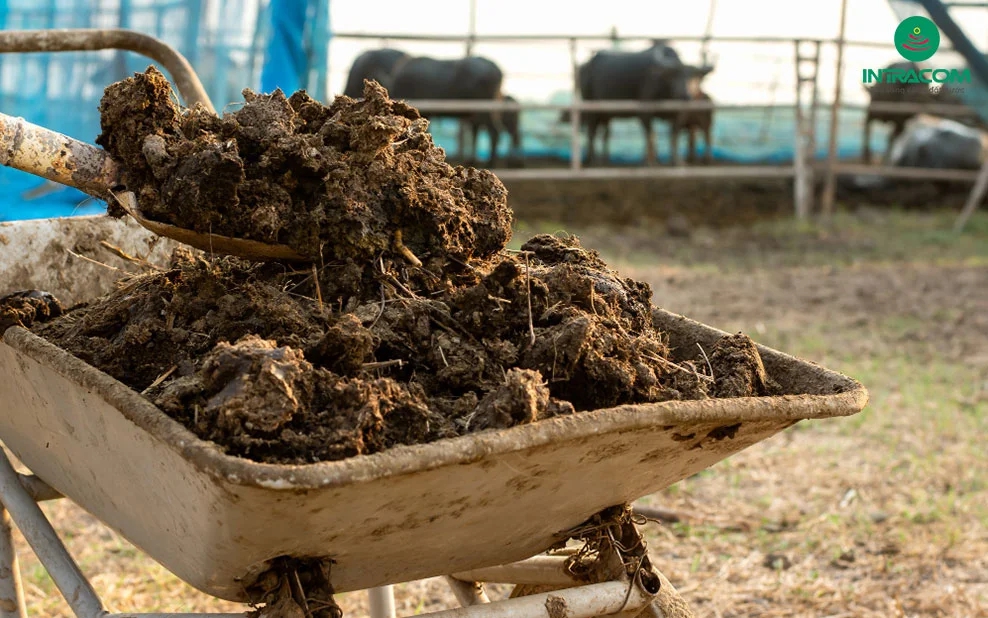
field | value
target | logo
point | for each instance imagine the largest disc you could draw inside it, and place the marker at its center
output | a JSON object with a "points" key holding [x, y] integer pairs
{"points": [[917, 39]]}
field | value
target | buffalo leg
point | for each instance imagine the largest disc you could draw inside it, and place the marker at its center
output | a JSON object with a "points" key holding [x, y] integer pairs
{"points": [[650, 156], [495, 136], [461, 139], [708, 153], [516, 152], [691, 139], [674, 144], [606, 147], [591, 136], [518, 147], [472, 160]]}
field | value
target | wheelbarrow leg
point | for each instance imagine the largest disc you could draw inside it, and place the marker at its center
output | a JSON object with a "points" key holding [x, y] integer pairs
{"points": [[43, 539], [11, 592], [382, 602]]}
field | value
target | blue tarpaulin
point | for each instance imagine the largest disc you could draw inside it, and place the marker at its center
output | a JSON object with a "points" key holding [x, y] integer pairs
{"points": [[285, 62], [297, 53], [285, 47]]}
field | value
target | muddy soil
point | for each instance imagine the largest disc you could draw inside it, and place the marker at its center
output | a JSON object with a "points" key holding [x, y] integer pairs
{"points": [[26, 307], [413, 323]]}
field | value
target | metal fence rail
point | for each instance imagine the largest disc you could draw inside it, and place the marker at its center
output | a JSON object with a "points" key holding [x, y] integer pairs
{"points": [[473, 105], [596, 38]]}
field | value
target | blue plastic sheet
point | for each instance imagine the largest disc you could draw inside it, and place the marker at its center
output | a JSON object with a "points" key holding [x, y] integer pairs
{"points": [[285, 58], [229, 43]]}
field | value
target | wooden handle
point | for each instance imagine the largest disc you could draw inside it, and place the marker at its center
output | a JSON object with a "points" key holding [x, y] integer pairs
{"points": [[57, 157]]}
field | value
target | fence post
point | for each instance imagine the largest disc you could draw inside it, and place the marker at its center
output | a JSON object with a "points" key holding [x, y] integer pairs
{"points": [[575, 155], [812, 126], [472, 28], [461, 128], [800, 188], [705, 46], [827, 203]]}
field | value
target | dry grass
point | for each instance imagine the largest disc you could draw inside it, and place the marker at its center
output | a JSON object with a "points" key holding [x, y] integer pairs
{"points": [[882, 514]]}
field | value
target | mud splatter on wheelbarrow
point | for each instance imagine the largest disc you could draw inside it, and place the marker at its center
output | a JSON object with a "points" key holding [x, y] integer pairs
{"points": [[414, 323]]}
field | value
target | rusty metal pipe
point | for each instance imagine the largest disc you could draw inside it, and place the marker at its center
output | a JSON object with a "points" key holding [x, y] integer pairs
{"points": [[59, 158], [94, 39]]}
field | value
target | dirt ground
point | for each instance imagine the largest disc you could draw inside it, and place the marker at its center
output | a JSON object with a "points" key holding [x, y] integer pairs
{"points": [[715, 203], [881, 514]]}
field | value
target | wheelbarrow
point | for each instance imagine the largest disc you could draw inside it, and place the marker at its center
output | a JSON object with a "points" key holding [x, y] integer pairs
{"points": [[497, 506]]}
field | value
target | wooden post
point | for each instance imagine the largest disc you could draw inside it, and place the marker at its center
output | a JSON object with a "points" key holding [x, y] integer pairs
{"points": [[827, 203], [704, 50], [472, 28], [800, 167], [575, 155], [811, 137], [461, 136]]}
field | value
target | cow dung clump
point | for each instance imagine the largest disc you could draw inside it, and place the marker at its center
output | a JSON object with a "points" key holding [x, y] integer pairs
{"points": [[365, 348], [346, 182]]}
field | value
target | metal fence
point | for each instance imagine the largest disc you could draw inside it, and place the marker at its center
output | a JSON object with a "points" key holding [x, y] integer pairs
{"points": [[806, 166]]}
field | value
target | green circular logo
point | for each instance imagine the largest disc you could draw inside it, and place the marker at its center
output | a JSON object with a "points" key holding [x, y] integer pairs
{"points": [[917, 39]]}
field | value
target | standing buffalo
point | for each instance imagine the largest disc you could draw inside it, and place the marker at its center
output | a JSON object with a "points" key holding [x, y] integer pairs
{"points": [[408, 77], [651, 75], [471, 78]]}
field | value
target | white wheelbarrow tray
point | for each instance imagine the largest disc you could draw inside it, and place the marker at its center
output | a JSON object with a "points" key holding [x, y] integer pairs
{"points": [[408, 513]]}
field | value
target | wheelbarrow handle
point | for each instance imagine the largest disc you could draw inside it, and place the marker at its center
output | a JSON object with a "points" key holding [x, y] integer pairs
{"points": [[59, 158]]}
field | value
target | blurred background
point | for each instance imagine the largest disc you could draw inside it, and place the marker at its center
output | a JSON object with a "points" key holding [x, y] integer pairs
{"points": [[876, 267], [752, 47]]}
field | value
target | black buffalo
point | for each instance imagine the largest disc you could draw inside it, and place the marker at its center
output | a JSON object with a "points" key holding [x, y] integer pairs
{"points": [[510, 122], [651, 75], [472, 78], [376, 64]]}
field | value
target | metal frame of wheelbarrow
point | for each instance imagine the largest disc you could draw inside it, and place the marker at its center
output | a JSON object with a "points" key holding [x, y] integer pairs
{"points": [[552, 590], [548, 587]]}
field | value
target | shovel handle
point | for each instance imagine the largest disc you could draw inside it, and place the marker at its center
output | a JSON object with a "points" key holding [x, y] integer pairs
{"points": [[59, 158]]}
